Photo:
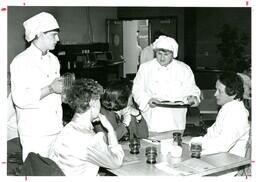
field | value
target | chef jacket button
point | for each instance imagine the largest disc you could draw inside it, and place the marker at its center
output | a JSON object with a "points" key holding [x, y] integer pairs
{"points": [[47, 76]]}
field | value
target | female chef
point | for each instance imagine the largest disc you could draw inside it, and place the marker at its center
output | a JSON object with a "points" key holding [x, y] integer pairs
{"points": [[165, 79]]}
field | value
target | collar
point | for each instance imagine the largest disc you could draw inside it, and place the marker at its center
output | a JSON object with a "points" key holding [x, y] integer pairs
{"points": [[37, 52], [158, 66], [82, 121], [231, 103]]}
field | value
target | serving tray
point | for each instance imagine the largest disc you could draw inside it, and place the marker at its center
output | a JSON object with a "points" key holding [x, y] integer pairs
{"points": [[176, 104]]}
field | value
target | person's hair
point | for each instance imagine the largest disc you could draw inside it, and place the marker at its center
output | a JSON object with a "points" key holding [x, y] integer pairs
{"points": [[82, 92], [233, 83], [53, 30], [164, 50], [116, 95]]}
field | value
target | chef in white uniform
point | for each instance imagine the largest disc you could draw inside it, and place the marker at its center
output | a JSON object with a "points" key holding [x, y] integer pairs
{"points": [[165, 79], [36, 86]]}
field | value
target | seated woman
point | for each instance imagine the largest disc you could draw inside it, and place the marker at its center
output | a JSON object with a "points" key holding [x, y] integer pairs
{"points": [[121, 111], [78, 150], [230, 132]]}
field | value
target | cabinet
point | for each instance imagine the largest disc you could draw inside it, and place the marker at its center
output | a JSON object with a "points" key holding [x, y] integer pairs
{"points": [[89, 61]]}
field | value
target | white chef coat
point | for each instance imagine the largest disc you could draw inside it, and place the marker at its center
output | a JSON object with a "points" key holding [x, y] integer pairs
{"points": [[173, 83], [147, 54], [229, 133], [12, 125], [81, 152], [31, 71]]}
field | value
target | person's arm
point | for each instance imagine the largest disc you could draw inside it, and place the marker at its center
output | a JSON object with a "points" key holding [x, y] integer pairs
{"points": [[222, 138], [26, 88], [121, 130], [191, 91], [139, 89], [55, 87], [112, 140], [106, 154], [112, 117]]}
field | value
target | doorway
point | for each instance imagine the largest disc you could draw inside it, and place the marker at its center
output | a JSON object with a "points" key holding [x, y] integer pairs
{"points": [[136, 34], [135, 38]]}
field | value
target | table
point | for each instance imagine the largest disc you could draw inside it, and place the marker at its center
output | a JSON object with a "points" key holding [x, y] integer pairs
{"points": [[135, 164]]}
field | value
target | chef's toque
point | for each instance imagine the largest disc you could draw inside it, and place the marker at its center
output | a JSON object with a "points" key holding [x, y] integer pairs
{"points": [[39, 23], [168, 43]]}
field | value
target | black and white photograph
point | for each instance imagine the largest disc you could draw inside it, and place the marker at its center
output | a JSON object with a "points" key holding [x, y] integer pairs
{"points": [[97, 89]]}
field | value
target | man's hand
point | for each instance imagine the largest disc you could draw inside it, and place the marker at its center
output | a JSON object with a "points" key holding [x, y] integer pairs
{"points": [[57, 85], [152, 102]]}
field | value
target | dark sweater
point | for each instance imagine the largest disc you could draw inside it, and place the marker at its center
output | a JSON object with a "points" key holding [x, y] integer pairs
{"points": [[135, 128]]}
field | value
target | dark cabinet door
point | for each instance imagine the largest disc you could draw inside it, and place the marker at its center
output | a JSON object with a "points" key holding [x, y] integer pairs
{"points": [[115, 38], [166, 25]]}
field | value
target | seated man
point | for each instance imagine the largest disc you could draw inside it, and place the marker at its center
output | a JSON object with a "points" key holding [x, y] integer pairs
{"points": [[230, 132], [120, 109], [78, 150]]}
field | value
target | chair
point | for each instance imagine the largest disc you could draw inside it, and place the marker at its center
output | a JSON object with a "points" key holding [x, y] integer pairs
{"points": [[246, 170], [14, 157], [36, 165]]}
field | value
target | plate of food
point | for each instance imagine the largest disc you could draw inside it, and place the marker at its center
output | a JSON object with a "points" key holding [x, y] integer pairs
{"points": [[170, 104]]}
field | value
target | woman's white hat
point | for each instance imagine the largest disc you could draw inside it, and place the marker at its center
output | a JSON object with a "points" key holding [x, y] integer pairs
{"points": [[168, 43], [39, 23]]}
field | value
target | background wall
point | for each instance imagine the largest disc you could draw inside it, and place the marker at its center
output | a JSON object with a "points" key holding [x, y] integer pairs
{"points": [[148, 12], [74, 25], [209, 22], [196, 29]]}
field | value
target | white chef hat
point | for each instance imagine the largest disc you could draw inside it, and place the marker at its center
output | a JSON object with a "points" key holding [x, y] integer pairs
{"points": [[41, 22], [168, 43]]}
